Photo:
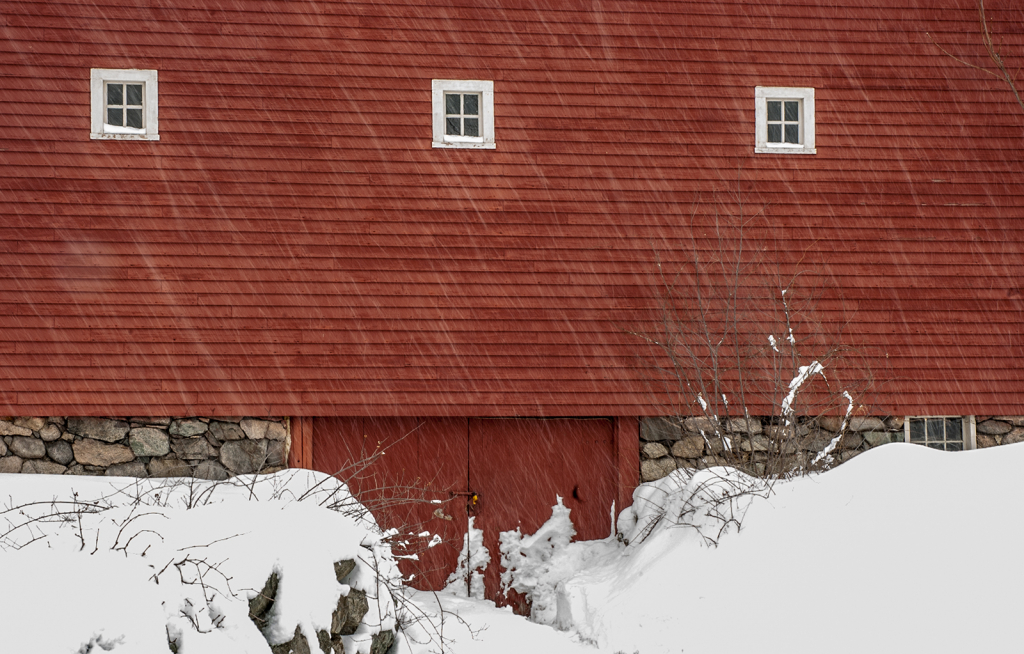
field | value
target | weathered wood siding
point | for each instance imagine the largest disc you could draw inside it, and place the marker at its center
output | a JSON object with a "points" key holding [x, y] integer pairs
{"points": [[292, 245]]}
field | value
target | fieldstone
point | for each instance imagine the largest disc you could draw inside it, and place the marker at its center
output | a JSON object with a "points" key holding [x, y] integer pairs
{"points": [[276, 431], [276, 454], [343, 568], [816, 441], [851, 441], [985, 440], [3, 447], [260, 604], [994, 427], [752, 444], [42, 467], [226, 431], [60, 451], [654, 469], [690, 447], [11, 429], [28, 448], [847, 455], [170, 466], [744, 426], [1016, 421], [716, 444], [1015, 436], [91, 452], [876, 438], [79, 469], [131, 469], [101, 429], [195, 449], [67, 436], [866, 423], [34, 424], [712, 461], [212, 471], [660, 429], [355, 607], [152, 421], [895, 423], [297, 645], [255, 429], [56, 420], [147, 441], [244, 457], [269, 470], [830, 423], [188, 427], [49, 433], [700, 425], [9, 464], [653, 450]]}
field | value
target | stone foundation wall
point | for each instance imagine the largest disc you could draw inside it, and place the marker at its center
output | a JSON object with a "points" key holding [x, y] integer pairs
{"points": [[760, 448], [207, 448]]}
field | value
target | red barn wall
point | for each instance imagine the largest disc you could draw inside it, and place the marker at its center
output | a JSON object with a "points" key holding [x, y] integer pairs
{"points": [[293, 245]]}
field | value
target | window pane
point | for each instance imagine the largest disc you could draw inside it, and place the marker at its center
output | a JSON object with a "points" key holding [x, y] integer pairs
{"points": [[134, 94], [953, 446], [935, 446], [114, 117], [451, 104], [775, 133], [115, 94], [792, 133], [917, 431], [774, 110], [133, 118], [452, 127], [470, 105], [472, 126], [935, 429], [954, 430], [793, 111]]}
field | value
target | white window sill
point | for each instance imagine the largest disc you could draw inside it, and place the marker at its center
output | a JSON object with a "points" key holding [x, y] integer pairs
{"points": [[784, 149], [463, 144], [126, 137]]}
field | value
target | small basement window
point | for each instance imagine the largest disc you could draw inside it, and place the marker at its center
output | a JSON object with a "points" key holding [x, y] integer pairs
{"points": [[784, 120], [124, 104], [948, 433], [463, 113]]}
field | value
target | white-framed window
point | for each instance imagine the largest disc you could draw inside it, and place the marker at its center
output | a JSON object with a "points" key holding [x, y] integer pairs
{"points": [[124, 104], [462, 113], [784, 120], [949, 433]]}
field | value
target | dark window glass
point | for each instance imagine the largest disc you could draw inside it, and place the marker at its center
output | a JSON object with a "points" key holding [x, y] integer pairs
{"points": [[115, 94], [472, 127], [792, 133], [775, 133], [133, 118], [954, 429], [452, 127], [953, 446], [134, 94], [451, 104], [792, 111], [917, 431], [774, 110], [934, 445], [935, 430], [470, 105], [115, 117]]}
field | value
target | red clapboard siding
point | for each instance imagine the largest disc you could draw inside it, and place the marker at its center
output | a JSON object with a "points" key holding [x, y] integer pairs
{"points": [[293, 245]]}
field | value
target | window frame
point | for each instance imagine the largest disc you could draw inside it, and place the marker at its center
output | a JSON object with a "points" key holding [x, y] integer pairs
{"points": [[968, 429], [805, 96], [98, 79], [483, 88]]}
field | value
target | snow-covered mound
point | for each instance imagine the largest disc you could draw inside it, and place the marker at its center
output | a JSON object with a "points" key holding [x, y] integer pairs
{"points": [[126, 565]]}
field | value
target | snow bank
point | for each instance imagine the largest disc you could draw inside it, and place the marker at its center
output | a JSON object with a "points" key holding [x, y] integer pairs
{"points": [[129, 564]]}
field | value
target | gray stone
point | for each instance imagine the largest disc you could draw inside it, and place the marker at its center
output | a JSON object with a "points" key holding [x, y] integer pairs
{"points": [[690, 447], [94, 453], [894, 423], [847, 455], [101, 429], [985, 440], [758, 443], [211, 470], [28, 448], [226, 431], [3, 448], [269, 470], [56, 420], [830, 423], [297, 645], [276, 454], [866, 423], [152, 421], [343, 568], [851, 441], [42, 467], [195, 449], [9, 464], [169, 466], [131, 469], [816, 441], [33, 424], [355, 608], [261, 603], [79, 469], [699, 425], [1016, 421], [11, 429], [381, 642], [876, 438], [60, 451], [744, 426], [188, 427], [1015, 436], [276, 432], [653, 450], [653, 469], [660, 429], [244, 457], [255, 429], [994, 427], [712, 461], [147, 441], [49, 433], [67, 436]]}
